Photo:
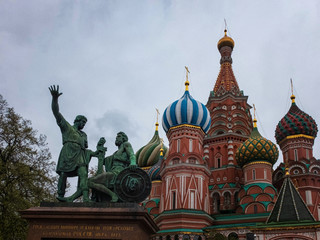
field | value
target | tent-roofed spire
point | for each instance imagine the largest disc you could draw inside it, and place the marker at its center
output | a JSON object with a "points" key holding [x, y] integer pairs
{"points": [[289, 206], [226, 81]]}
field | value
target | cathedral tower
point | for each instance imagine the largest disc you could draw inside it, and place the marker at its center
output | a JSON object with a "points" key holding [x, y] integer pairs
{"points": [[231, 126], [295, 134], [184, 202], [256, 156]]}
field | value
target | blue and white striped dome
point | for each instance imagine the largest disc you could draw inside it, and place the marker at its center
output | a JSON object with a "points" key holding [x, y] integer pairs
{"points": [[186, 110]]}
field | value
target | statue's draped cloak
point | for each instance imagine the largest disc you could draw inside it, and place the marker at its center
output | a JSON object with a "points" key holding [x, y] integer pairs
{"points": [[72, 154]]}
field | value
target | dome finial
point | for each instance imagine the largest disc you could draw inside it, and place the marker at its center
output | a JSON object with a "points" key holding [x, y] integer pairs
{"points": [[254, 117], [293, 97], [286, 169], [161, 149], [157, 123], [187, 81]]}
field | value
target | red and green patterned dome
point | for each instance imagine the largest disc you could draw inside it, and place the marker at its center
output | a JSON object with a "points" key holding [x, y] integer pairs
{"points": [[295, 122], [257, 148]]}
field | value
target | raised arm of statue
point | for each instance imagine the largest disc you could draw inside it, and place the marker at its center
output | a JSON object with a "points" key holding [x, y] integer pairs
{"points": [[54, 105]]}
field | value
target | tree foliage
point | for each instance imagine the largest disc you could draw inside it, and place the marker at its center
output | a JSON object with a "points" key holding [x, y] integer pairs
{"points": [[25, 171]]}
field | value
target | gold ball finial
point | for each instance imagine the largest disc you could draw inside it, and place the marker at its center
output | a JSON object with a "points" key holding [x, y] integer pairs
{"points": [[161, 149]]}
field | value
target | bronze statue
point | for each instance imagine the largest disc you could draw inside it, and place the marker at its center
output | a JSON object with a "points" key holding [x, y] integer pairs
{"points": [[122, 179], [74, 156], [124, 157]]}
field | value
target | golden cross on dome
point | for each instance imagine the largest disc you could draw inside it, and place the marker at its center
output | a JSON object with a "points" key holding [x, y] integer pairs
{"points": [[292, 95], [187, 81], [225, 27], [157, 123], [254, 117]]}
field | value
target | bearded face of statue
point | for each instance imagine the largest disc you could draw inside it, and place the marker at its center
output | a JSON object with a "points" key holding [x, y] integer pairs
{"points": [[119, 140]]}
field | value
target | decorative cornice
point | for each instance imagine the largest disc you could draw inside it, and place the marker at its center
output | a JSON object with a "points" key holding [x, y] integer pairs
{"points": [[186, 125], [296, 136], [257, 162]]}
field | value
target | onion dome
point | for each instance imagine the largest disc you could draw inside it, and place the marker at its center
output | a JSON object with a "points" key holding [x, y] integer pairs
{"points": [[295, 122], [256, 148], [149, 154], [186, 110], [225, 41], [154, 171]]}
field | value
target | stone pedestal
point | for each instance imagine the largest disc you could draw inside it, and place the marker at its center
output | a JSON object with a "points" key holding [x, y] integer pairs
{"points": [[64, 221]]}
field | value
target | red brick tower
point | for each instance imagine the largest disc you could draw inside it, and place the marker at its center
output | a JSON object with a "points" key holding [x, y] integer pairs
{"points": [[184, 202], [295, 134], [231, 126], [256, 156]]}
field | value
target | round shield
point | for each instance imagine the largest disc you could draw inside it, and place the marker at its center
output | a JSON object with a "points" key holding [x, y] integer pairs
{"points": [[132, 185]]}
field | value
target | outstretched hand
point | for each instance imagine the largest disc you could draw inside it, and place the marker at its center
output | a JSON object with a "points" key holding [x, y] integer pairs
{"points": [[55, 91]]}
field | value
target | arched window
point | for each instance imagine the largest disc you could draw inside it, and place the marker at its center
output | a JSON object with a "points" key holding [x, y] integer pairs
{"points": [[255, 209], [178, 145], [216, 203], [218, 160], [233, 236], [227, 200], [253, 174]]}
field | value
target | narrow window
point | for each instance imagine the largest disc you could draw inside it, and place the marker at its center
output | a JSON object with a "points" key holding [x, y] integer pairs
{"points": [[173, 200], [296, 155], [308, 197], [192, 200], [178, 145], [265, 173], [218, 162], [307, 154], [254, 174], [255, 209], [190, 145]]}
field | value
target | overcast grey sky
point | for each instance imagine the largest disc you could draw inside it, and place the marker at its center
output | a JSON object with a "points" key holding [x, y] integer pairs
{"points": [[116, 61]]}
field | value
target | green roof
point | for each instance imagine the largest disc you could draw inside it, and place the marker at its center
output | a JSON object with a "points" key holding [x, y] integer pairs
{"points": [[184, 211], [181, 230], [221, 217], [235, 225], [289, 206]]}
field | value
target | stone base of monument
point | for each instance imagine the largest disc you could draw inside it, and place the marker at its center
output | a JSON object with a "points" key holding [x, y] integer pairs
{"points": [[64, 221]]}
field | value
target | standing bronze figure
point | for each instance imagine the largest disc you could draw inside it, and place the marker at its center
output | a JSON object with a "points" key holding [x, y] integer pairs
{"points": [[74, 156]]}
